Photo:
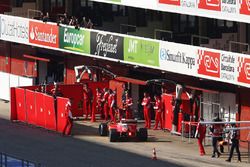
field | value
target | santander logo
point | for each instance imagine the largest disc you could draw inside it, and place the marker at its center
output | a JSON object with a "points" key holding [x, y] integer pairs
{"points": [[43, 34]]}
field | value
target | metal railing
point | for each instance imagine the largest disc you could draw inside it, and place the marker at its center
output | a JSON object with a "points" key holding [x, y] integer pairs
{"points": [[31, 13], [127, 26], [11, 161], [238, 44], [170, 33], [200, 37]]}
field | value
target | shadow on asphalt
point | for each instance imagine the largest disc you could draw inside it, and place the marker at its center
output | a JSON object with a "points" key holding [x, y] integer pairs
{"points": [[53, 150]]}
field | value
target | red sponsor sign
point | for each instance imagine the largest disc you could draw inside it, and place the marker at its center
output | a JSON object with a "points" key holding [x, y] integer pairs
{"points": [[210, 4], [244, 70], [43, 34], [209, 63], [245, 7], [171, 2]]}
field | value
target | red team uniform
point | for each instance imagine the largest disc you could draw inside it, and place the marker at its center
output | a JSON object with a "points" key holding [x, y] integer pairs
{"points": [[201, 132], [106, 104], [128, 109], [87, 96], [146, 110], [69, 119], [111, 103], [158, 113]]}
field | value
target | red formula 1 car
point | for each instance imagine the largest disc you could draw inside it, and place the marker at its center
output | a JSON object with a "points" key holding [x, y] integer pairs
{"points": [[125, 129]]}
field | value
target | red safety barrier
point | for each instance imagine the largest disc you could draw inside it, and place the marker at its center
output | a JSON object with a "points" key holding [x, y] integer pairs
{"points": [[40, 110], [76, 93], [50, 114], [167, 102], [30, 87], [30, 106], [20, 104], [61, 113], [13, 108]]}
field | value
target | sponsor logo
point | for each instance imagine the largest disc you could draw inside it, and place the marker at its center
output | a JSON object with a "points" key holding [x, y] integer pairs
{"points": [[245, 7], [75, 40], [106, 44], [14, 29], [244, 70], [43, 34], [209, 63], [228, 67], [179, 57], [141, 51], [210, 4], [171, 2], [229, 6]]}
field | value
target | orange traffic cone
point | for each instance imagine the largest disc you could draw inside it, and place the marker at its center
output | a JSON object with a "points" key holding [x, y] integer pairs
{"points": [[154, 154]]}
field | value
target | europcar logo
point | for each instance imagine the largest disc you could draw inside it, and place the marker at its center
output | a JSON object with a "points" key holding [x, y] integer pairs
{"points": [[210, 4], [171, 2], [209, 63], [244, 70], [245, 7]]}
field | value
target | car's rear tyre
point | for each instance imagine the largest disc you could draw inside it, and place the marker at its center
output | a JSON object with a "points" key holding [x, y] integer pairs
{"points": [[113, 135], [103, 129], [143, 134]]}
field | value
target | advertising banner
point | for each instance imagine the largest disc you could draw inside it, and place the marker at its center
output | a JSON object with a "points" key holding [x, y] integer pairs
{"points": [[178, 58], [228, 67], [209, 63], [107, 45], [77, 40], [210, 4], [171, 2], [14, 29], [244, 70], [141, 51], [43, 34], [245, 7]]}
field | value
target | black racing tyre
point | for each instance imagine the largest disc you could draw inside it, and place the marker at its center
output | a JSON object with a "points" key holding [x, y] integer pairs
{"points": [[142, 134], [113, 135], [103, 129]]}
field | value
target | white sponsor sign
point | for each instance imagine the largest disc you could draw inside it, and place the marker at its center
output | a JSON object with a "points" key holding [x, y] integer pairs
{"points": [[14, 29], [228, 67], [178, 58]]}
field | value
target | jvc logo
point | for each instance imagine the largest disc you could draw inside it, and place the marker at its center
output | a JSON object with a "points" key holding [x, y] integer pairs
{"points": [[132, 46]]}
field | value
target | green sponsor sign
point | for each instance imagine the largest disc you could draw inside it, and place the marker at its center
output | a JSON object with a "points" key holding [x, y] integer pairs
{"points": [[74, 39], [141, 51], [115, 0]]}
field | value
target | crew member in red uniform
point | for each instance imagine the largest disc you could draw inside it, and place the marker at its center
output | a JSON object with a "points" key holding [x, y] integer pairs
{"points": [[69, 118], [158, 112], [99, 103], [112, 105], [146, 110], [88, 99], [128, 106], [105, 103], [201, 134]]}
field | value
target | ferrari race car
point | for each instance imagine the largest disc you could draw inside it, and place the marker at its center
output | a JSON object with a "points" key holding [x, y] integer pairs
{"points": [[126, 129]]}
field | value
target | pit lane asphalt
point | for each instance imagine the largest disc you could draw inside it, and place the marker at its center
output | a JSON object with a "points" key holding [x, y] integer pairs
{"points": [[85, 148]]}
